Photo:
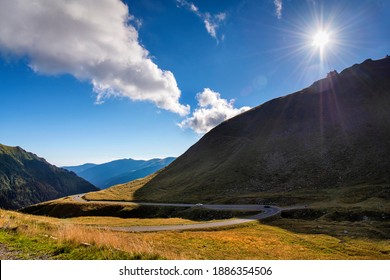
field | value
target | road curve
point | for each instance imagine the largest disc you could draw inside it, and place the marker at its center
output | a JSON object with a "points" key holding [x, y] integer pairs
{"points": [[266, 211]]}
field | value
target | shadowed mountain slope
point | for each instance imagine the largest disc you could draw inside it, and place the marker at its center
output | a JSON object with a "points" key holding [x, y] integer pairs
{"points": [[27, 179], [334, 133]]}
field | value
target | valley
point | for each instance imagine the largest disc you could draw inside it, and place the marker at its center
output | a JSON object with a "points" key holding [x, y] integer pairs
{"points": [[345, 228], [282, 238]]}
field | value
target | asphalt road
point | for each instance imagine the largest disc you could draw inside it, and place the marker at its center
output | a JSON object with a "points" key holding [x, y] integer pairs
{"points": [[265, 211]]}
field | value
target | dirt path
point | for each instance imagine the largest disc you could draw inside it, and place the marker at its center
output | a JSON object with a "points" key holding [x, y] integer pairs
{"points": [[7, 254]]}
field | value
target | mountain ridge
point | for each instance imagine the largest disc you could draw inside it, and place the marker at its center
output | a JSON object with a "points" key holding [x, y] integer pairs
{"points": [[79, 168], [26, 179], [335, 132]]}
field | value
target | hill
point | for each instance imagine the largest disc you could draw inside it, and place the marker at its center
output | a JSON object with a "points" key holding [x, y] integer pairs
{"points": [[332, 136], [118, 171], [27, 179]]}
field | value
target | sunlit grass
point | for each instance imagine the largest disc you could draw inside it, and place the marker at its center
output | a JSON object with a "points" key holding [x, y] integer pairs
{"points": [[34, 237], [122, 192], [120, 222], [250, 241]]}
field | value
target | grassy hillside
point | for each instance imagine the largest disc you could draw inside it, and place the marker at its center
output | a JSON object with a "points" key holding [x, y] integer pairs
{"points": [[32, 237], [333, 134], [121, 192], [26, 179]]}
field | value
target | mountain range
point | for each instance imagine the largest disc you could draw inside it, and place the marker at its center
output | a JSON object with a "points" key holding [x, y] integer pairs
{"points": [[118, 171], [27, 179], [333, 134]]}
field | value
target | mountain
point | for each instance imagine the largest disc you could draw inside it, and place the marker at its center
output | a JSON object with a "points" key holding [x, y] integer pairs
{"points": [[333, 134], [118, 171], [27, 179], [79, 168]]}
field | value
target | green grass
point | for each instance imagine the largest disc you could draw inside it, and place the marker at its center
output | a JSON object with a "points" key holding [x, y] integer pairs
{"points": [[32, 237], [44, 247]]}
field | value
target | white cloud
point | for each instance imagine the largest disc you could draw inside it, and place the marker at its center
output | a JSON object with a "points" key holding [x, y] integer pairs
{"points": [[192, 7], [211, 22], [211, 112], [220, 16], [92, 40], [278, 8]]}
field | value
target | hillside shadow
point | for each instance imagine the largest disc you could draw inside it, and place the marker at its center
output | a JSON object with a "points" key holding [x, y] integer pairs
{"points": [[341, 225], [71, 210]]}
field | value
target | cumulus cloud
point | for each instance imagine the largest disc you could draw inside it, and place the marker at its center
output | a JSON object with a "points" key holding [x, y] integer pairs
{"points": [[211, 111], [278, 8], [211, 22], [93, 40]]}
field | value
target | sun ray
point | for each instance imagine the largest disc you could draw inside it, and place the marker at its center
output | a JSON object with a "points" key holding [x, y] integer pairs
{"points": [[321, 39]]}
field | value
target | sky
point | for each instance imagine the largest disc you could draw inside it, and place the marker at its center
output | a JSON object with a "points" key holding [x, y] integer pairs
{"points": [[98, 80]]}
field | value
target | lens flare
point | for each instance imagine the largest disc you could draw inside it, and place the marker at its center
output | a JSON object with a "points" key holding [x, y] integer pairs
{"points": [[321, 39]]}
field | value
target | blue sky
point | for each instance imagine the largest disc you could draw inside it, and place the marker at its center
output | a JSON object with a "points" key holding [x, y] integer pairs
{"points": [[93, 81]]}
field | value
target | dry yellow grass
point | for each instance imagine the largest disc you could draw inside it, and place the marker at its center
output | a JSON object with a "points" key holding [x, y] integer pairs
{"points": [[257, 241], [252, 241], [120, 222], [120, 192], [66, 231]]}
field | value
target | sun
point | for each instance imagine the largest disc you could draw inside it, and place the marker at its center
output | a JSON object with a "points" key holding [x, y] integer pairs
{"points": [[321, 39]]}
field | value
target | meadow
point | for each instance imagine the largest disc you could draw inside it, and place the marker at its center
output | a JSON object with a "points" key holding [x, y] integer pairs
{"points": [[38, 237]]}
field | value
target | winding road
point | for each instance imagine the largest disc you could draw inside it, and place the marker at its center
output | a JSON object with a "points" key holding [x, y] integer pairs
{"points": [[266, 211]]}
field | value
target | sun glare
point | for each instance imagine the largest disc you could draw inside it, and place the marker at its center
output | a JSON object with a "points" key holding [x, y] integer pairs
{"points": [[320, 39]]}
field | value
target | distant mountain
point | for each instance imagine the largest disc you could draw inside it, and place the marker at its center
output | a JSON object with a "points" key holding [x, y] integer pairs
{"points": [[79, 168], [333, 134], [27, 179], [118, 171]]}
